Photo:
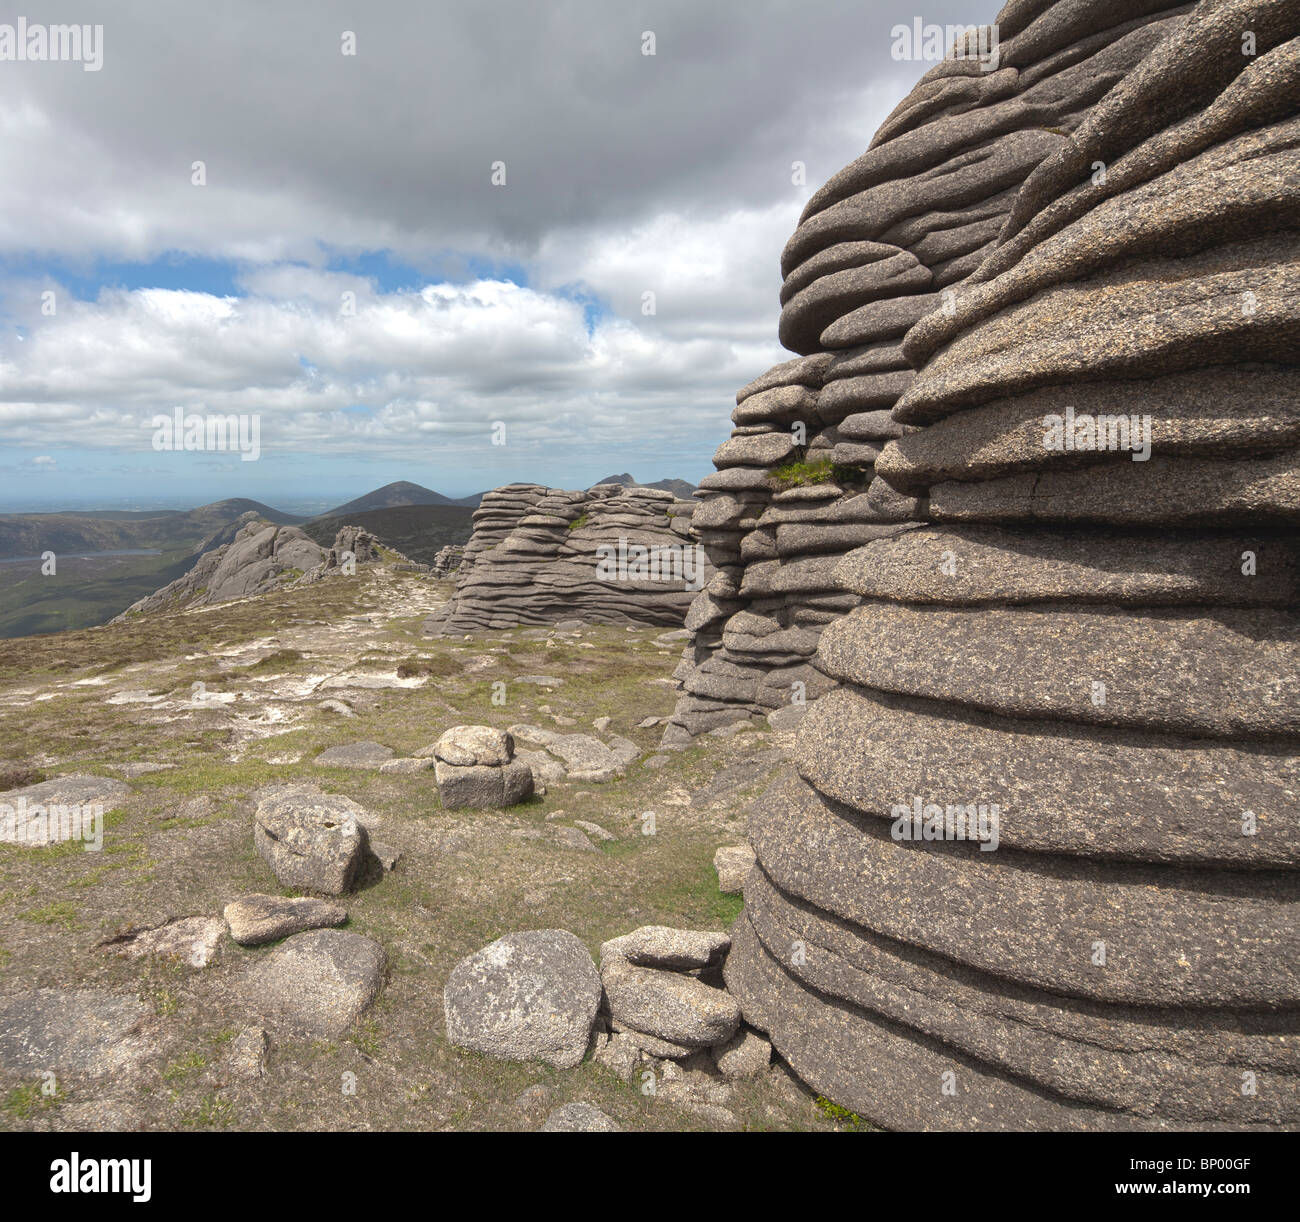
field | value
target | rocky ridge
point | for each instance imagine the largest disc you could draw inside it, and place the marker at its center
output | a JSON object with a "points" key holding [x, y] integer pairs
{"points": [[259, 558]]}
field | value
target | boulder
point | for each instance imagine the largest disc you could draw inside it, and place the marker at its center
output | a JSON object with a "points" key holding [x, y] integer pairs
{"points": [[316, 983], [527, 996], [313, 841]]}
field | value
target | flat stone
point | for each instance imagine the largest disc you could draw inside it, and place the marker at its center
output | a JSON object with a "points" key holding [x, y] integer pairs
{"points": [[318, 983], [662, 946], [82, 1031], [254, 919], [668, 1005], [1224, 675], [962, 565], [246, 1056], [579, 1118], [193, 941], [404, 767], [355, 755], [63, 808]]}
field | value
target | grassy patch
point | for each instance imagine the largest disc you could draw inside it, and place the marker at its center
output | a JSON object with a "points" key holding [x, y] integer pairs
{"points": [[25, 1101]]}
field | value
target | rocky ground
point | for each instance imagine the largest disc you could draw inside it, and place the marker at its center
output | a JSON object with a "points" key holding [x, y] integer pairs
{"points": [[185, 719]]}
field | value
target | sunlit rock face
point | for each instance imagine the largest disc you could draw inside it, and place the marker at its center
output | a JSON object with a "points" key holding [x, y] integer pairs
{"points": [[1083, 651]]}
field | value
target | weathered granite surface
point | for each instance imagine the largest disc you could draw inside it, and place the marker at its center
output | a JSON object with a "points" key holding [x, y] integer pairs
{"points": [[1083, 655]]}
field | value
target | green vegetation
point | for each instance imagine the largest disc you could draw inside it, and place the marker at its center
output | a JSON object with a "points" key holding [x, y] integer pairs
{"points": [[580, 521], [845, 1120], [801, 473], [25, 1101]]}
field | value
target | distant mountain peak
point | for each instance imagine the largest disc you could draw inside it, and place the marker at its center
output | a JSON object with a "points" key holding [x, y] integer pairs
{"points": [[678, 487]]}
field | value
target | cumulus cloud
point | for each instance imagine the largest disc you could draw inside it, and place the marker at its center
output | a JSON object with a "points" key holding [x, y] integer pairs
{"points": [[627, 175]]}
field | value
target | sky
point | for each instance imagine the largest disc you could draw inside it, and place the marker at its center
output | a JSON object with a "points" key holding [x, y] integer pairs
{"points": [[410, 240]]}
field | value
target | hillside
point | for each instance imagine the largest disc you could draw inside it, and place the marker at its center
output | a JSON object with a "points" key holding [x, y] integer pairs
{"points": [[104, 561], [390, 496], [286, 677], [417, 531], [30, 534]]}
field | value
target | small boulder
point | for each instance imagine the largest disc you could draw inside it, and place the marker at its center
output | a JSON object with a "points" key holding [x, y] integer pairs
{"points": [[317, 982], [469, 745], [313, 841], [661, 946], [481, 787], [527, 996], [672, 1006], [745, 1055]]}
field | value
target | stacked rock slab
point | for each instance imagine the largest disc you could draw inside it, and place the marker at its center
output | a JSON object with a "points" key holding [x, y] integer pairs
{"points": [[886, 241], [607, 555], [1101, 653]]}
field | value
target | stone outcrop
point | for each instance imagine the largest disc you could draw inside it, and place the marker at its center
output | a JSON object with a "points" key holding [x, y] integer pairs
{"points": [[1089, 652], [261, 557], [447, 561], [884, 243], [609, 555]]}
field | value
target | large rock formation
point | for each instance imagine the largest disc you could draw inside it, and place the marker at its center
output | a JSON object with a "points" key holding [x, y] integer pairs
{"points": [[1091, 647], [611, 554], [888, 240], [259, 558]]}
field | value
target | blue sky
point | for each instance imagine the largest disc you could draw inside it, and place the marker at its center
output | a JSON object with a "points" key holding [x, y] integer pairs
{"points": [[347, 268]]}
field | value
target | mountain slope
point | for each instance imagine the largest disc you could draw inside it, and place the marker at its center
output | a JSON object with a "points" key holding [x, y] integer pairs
{"points": [[390, 496], [417, 531]]}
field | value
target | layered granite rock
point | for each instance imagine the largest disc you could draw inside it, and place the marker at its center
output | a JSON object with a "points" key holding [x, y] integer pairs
{"points": [[611, 554], [886, 242], [1039, 866]]}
